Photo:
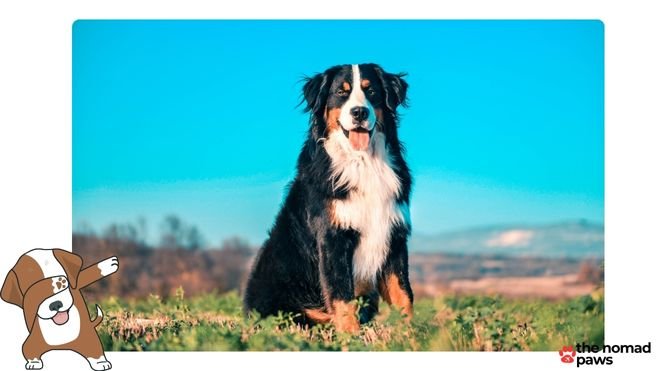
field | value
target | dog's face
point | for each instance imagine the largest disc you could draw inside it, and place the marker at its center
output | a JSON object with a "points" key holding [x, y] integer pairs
{"points": [[41, 283], [355, 100], [56, 307]]}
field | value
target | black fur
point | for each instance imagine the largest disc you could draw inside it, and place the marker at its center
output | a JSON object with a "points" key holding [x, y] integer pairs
{"points": [[306, 261]]}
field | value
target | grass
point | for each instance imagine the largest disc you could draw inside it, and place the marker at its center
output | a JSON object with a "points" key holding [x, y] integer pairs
{"points": [[215, 323]]}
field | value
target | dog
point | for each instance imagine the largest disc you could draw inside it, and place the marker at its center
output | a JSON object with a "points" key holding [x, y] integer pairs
{"points": [[342, 231], [46, 284]]}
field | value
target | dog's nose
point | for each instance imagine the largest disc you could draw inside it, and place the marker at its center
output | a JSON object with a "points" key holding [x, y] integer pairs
{"points": [[359, 113], [55, 306]]}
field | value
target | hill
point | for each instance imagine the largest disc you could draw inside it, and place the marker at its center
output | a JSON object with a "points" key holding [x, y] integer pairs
{"points": [[577, 239]]}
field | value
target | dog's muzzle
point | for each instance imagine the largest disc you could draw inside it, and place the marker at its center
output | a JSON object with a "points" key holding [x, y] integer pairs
{"points": [[40, 291]]}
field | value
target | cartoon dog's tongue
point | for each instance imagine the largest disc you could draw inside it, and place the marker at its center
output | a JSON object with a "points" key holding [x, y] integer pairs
{"points": [[61, 318], [359, 139]]}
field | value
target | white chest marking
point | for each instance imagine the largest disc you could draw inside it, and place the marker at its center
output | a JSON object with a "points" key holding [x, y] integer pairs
{"points": [[371, 207], [49, 265], [61, 334]]}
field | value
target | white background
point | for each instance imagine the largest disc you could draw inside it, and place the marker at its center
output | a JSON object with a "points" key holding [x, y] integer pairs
{"points": [[35, 164]]}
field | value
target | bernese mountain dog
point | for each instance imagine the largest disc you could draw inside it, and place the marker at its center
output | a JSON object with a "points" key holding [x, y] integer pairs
{"points": [[342, 231]]}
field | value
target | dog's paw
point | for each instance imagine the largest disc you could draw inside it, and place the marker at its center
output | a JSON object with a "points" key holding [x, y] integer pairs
{"points": [[350, 326], [34, 364], [99, 364], [109, 266], [345, 318]]}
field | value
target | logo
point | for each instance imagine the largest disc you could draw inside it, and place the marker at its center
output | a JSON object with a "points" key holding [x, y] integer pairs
{"points": [[592, 354], [567, 354]]}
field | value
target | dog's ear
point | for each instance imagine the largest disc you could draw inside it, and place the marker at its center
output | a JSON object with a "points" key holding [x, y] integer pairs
{"points": [[11, 292], [315, 90], [71, 263], [395, 88]]}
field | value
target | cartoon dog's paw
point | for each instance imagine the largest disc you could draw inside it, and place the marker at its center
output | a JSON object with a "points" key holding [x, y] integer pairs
{"points": [[99, 364], [60, 283], [109, 266], [34, 364]]}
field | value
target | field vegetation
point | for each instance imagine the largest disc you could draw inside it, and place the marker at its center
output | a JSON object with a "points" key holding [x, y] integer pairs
{"points": [[480, 323]]}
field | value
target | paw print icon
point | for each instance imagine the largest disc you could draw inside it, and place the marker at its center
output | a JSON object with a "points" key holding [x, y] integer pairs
{"points": [[567, 354]]}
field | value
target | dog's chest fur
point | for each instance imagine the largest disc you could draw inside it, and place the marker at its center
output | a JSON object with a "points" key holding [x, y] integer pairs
{"points": [[371, 207], [61, 334]]}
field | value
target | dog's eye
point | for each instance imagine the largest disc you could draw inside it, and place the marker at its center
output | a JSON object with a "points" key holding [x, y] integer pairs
{"points": [[341, 93], [370, 91]]}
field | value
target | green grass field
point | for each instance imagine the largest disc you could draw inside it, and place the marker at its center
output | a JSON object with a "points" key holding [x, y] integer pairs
{"points": [[215, 322]]}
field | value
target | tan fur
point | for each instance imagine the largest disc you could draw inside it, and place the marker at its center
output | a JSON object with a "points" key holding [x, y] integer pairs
{"points": [[11, 292], [378, 115], [318, 315], [363, 287], [345, 316], [71, 264], [30, 272], [365, 83], [393, 294], [332, 119]]}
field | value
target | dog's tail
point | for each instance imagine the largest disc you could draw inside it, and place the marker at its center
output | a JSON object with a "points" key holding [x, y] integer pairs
{"points": [[99, 316]]}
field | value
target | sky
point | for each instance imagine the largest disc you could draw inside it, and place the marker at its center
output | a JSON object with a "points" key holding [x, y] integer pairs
{"points": [[200, 118]]}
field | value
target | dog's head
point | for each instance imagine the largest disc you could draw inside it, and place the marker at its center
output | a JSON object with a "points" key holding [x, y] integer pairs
{"points": [[40, 283], [356, 101]]}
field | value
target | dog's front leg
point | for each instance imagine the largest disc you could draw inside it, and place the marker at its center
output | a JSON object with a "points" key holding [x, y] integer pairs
{"points": [[97, 271], [336, 250], [393, 280], [33, 349]]}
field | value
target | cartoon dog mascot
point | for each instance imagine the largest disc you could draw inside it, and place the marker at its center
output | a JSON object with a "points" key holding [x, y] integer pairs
{"points": [[46, 284]]}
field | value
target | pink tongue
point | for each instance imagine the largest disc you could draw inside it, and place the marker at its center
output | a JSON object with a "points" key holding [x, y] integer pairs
{"points": [[358, 139], [61, 318]]}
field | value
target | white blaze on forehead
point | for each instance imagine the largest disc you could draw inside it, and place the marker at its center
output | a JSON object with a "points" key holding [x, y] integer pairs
{"points": [[49, 265], [357, 93], [357, 98]]}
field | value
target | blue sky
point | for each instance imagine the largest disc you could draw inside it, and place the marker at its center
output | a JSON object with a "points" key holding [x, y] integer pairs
{"points": [[199, 118]]}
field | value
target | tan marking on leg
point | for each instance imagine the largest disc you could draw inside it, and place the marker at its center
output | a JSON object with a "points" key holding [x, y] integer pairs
{"points": [[393, 294], [345, 317], [318, 315]]}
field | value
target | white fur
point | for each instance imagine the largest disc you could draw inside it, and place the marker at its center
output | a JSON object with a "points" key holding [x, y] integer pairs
{"points": [[55, 334], [371, 206], [108, 266], [357, 98], [49, 265], [100, 363], [34, 364], [64, 297]]}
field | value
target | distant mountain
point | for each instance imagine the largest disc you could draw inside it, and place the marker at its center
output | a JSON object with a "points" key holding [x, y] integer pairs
{"points": [[578, 239]]}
